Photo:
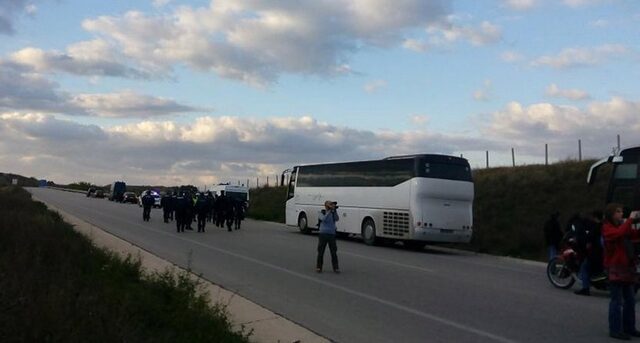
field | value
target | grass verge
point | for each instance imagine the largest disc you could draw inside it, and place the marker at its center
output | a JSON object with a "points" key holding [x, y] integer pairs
{"points": [[55, 286]]}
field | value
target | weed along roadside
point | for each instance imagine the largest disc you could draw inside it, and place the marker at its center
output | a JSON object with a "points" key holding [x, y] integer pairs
{"points": [[510, 207], [77, 289]]}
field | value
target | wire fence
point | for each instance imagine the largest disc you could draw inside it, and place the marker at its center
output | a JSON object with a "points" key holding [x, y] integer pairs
{"points": [[280, 180]]}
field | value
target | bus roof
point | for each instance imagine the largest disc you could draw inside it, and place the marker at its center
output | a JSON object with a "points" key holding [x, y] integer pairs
{"points": [[431, 157]]}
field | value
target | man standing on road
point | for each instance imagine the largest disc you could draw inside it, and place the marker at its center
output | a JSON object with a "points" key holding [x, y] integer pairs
{"points": [[147, 203], [180, 206], [165, 203], [327, 235], [201, 209]]}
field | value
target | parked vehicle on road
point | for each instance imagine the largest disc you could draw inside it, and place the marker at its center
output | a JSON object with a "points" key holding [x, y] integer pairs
{"points": [[562, 270], [156, 197], [130, 197], [90, 191], [117, 191], [415, 199], [240, 193], [99, 193]]}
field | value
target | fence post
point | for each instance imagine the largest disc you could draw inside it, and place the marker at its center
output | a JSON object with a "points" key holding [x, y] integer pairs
{"points": [[267, 180], [487, 158], [258, 182], [248, 183], [513, 157], [579, 150], [618, 142], [546, 154]]}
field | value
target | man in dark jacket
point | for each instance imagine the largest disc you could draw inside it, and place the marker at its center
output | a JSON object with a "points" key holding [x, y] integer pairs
{"points": [[165, 203], [147, 203], [201, 209], [180, 206], [553, 234]]}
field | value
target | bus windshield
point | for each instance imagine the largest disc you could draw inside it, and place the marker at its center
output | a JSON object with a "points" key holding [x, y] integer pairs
{"points": [[448, 171]]}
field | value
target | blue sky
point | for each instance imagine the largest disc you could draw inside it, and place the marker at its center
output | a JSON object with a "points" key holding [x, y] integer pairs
{"points": [[357, 78]]}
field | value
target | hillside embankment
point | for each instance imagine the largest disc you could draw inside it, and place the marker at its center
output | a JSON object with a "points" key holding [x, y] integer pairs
{"points": [[510, 208]]}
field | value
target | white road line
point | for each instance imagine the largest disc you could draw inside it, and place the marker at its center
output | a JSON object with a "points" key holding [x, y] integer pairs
{"points": [[347, 290]]}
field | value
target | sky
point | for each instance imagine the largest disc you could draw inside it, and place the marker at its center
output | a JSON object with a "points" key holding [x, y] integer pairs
{"points": [[198, 92]]}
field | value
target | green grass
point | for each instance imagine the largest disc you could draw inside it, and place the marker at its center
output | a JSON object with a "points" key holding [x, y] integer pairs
{"points": [[55, 286], [510, 208]]}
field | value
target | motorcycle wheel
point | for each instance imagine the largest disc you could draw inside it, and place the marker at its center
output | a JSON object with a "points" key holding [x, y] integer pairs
{"points": [[559, 274]]}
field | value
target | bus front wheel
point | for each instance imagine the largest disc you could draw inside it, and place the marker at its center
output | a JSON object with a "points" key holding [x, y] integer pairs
{"points": [[369, 232], [302, 224]]}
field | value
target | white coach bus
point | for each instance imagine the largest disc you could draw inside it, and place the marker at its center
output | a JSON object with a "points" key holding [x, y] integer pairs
{"points": [[415, 199]]}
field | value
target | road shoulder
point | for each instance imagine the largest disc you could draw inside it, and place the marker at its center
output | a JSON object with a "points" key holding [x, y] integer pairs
{"points": [[266, 325]]}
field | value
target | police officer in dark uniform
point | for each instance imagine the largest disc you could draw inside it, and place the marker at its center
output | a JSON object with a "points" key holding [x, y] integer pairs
{"points": [[147, 203], [220, 208], [201, 209], [165, 203], [239, 210], [180, 206]]}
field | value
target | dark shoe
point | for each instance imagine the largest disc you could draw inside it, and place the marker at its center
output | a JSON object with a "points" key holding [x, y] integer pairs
{"points": [[337, 271], [584, 291], [620, 335], [318, 270], [634, 333]]}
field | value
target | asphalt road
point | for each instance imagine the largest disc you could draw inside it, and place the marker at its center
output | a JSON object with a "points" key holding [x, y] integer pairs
{"points": [[384, 294]]}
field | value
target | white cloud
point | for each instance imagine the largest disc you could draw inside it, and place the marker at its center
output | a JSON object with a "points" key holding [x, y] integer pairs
{"points": [[511, 56], [449, 31], [577, 57], [572, 94], [258, 41], [419, 120], [521, 5], [374, 86], [93, 58], [580, 3], [597, 125], [128, 104], [24, 90], [415, 45], [220, 147]]}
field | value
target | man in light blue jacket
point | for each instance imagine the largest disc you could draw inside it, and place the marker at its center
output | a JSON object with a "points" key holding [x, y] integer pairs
{"points": [[327, 235]]}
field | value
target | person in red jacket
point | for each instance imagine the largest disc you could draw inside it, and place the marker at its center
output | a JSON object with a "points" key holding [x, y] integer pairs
{"points": [[620, 262]]}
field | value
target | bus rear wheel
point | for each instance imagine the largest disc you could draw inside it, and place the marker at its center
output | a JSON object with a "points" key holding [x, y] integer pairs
{"points": [[369, 232], [302, 224]]}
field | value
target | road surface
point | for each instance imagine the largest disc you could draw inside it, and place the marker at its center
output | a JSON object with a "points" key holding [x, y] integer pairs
{"points": [[384, 294]]}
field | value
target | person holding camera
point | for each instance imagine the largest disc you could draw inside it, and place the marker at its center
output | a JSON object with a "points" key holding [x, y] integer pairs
{"points": [[620, 261], [327, 235]]}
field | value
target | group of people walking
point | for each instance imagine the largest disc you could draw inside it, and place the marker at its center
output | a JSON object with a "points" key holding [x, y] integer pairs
{"points": [[606, 240], [186, 208]]}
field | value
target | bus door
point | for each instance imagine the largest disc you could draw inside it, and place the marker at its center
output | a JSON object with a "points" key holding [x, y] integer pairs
{"points": [[291, 217]]}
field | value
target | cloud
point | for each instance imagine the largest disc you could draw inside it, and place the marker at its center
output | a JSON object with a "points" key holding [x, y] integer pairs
{"points": [[24, 90], [90, 58], [572, 94], [580, 3], [449, 31], [580, 57], [419, 120], [374, 86], [205, 149], [521, 5], [128, 104], [10, 10], [596, 124], [257, 41], [600, 23], [511, 56]]}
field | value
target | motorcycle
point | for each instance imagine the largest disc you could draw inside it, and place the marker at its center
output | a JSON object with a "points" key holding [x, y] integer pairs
{"points": [[563, 269]]}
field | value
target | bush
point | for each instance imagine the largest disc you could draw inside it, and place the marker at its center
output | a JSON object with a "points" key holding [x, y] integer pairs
{"points": [[55, 286]]}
